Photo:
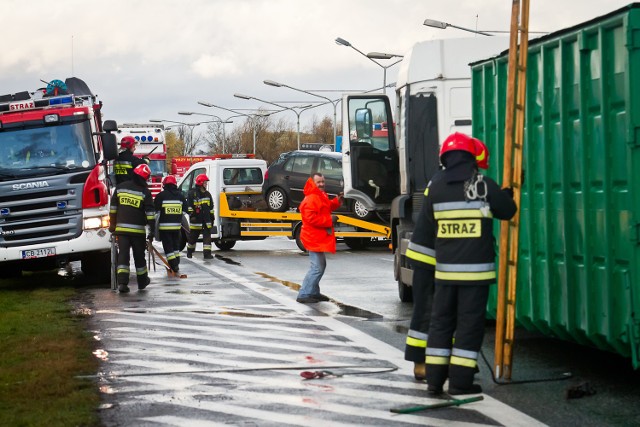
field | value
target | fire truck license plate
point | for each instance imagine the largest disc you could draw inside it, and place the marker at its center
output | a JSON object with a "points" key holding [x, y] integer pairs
{"points": [[38, 253]]}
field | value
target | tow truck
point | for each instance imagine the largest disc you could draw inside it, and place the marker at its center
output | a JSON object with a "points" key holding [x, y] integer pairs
{"points": [[240, 211]]}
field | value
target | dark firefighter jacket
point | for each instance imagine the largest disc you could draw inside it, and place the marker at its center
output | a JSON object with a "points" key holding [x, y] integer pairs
{"points": [[124, 165], [131, 208], [169, 204], [200, 205], [454, 232]]}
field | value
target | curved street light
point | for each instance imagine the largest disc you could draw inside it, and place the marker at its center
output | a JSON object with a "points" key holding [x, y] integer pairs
{"points": [[223, 122], [252, 117], [332, 102], [372, 57], [443, 25], [297, 113]]}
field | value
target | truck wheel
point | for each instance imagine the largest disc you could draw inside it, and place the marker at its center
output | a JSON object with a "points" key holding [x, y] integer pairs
{"points": [[359, 211], [224, 245], [404, 291], [277, 200], [183, 239], [97, 265], [296, 235], [10, 271], [357, 243]]}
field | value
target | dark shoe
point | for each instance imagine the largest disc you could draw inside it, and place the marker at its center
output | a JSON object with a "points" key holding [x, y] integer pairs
{"points": [[143, 285], [321, 297], [189, 254], [307, 300], [419, 371], [208, 256], [123, 289], [474, 389], [434, 389]]}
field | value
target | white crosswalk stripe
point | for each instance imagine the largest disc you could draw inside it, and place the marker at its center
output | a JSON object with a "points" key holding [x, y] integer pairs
{"points": [[223, 350]]}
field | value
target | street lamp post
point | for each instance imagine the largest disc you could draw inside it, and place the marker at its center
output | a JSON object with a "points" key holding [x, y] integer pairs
{"points": [[332, 102], [442, 25], [250, 116], [372, 57], [223, 122], [297, 113]]}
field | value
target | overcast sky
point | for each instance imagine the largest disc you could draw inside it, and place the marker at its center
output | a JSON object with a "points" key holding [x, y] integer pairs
{"points": [[152, 58]]}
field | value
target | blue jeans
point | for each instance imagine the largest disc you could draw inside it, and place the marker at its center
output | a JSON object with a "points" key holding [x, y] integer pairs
{"points": [[311, 283]]}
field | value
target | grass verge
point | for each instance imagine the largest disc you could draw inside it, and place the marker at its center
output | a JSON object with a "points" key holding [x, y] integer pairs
{"points": [[43, 348]]}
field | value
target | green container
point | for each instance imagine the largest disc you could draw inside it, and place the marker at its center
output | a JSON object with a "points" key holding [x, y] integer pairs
{"points": [[579, 253]]}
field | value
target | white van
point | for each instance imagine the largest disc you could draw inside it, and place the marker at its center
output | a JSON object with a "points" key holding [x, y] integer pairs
{"points": [[241, 180]]}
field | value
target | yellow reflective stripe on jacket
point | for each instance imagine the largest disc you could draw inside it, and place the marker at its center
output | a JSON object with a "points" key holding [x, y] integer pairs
{"points": [[421, 253], [416, 256], [461, 213]]}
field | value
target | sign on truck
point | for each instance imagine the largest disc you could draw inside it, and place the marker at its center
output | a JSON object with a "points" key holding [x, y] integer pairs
{"points": [[54, 191]]}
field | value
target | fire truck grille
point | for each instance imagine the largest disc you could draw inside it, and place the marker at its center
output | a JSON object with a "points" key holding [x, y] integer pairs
{"points": [[39, 217]]}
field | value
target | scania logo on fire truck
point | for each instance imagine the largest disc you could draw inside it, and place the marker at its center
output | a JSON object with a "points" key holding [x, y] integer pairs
{"points": [[30, 185]]}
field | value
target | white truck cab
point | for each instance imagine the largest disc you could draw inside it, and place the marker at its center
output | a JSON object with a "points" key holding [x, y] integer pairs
{"points": [[241, 180], [388, 158]]}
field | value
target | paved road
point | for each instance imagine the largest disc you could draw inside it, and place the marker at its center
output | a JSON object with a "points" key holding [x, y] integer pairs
{"points": [[227, 346]]}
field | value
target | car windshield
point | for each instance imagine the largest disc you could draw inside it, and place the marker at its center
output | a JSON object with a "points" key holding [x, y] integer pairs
{"points": [[158, 167], [38, 150]]}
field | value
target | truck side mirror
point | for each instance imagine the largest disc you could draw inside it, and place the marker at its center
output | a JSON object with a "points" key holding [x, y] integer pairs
{"points": [[109, 145], [109, 126]]}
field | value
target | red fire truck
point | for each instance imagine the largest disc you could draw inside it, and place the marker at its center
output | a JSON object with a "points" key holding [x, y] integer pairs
{"points": [[54, 191], [152, 145]]}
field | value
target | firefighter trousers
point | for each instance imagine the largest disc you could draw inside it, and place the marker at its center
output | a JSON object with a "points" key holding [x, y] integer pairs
{"points": [[422, 288], [458, 309], [194, 233], [171, 244], [137, 245]]}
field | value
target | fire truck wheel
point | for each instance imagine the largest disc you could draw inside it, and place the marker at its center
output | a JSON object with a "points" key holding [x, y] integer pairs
{"points": [[277, 200], [224, 245], [98, 265], [357, 243]]}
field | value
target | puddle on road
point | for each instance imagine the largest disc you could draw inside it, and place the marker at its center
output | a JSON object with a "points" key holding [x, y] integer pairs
{"points": [[181, 292], [401, 329], [345, 310], [290, 285], [227, 260]]}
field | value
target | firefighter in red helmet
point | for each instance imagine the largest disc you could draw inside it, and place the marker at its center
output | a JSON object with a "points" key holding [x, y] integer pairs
{"points": [[200, 207], [452, 254], [130, 212], [169, 204], [126, 162]]}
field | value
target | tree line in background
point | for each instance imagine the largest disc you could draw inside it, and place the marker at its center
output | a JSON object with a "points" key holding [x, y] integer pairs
{"points": [[273, 137]]}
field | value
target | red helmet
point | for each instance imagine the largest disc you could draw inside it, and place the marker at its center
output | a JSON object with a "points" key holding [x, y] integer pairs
{"points": [[143, 171], [201, 179], [169, 179], [482, 154], [127, 142], [463, 142]]}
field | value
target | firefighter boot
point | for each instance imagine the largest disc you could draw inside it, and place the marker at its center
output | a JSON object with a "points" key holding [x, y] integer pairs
{"points": [[207, 254], [189, 253]]}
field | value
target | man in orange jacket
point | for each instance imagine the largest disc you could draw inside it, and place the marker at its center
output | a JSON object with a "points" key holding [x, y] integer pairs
{"points": [[317, 235]]}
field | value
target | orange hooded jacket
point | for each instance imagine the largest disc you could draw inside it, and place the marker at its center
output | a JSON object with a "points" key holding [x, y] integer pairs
{"points": [[317, 233]]}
